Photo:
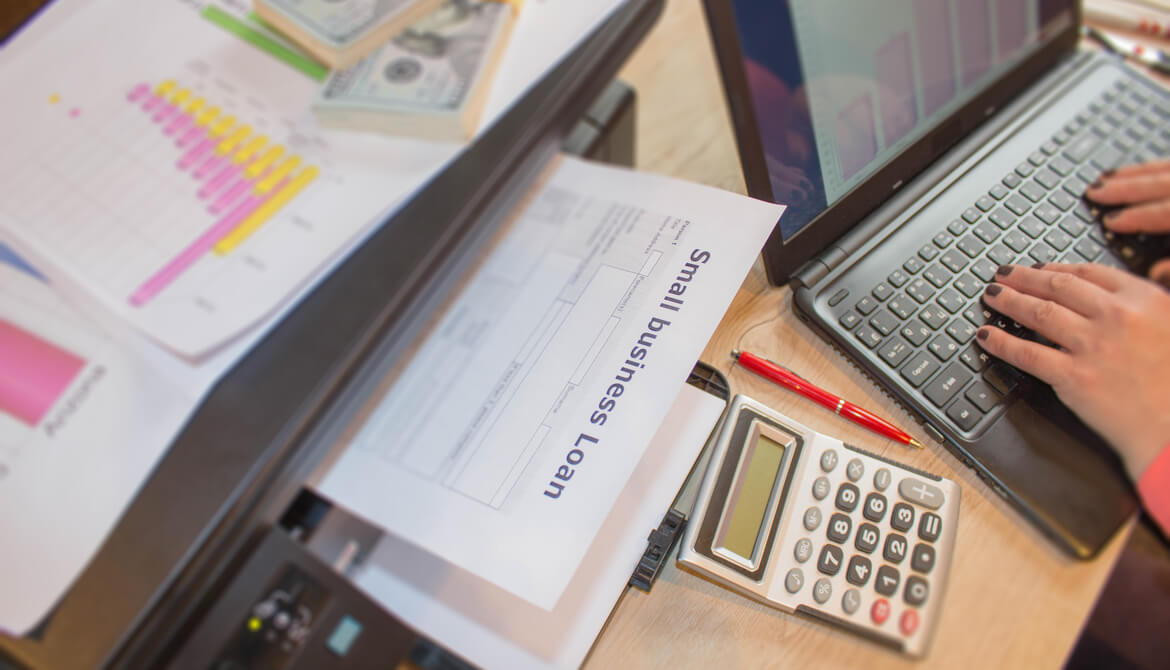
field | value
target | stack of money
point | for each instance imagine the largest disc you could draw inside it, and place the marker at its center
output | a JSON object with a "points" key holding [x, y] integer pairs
{"points": [[339, 33], [430, 81]]}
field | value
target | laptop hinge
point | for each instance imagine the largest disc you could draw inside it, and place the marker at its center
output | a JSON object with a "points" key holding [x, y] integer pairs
{"points": [[817, 267]]}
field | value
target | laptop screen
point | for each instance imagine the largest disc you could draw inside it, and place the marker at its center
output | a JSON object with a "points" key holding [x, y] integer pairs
{"points": [[841, 87]]}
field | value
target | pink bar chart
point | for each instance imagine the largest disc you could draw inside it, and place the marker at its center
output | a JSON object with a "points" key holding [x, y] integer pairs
{"points": [[894, 71], [936, 56], [856, 136], [974, 40], [1011, 21], [33, 373]]}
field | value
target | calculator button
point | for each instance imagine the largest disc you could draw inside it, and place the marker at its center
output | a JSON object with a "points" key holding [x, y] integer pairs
{"points": [[839, 527], [858, 572], [886, 582], [881, 479], [901, 519], [867, 537], [854, 470], [829, 562], [929, 527], [847, 496], [880, 611], [828, 460], [875, 507], [916, 591], [803, 550], [918, 491], [895, 549], [909, 622], [822, 590], [851, 601], [821, 488], [794, 580], [812, 518], [922, 560]]}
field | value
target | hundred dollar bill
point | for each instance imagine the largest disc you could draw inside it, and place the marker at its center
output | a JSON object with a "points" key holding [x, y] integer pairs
{"points": [[341, 32], [430, 81]]}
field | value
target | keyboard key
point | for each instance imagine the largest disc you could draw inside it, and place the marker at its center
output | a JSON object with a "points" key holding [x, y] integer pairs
{"points": [[964, 414], [1088, 174], [1017, 241], [897, 278], [1061, 166], [985, 203], [1047, 178], [1049, 148], [867, 538], [882, 291], [955, 262], [1025, 169], [977, 314], [1058, 239], [949, 382], [902, 306], [983, 396], [1001, 254], [868, 336], [971, 246], [942, 239], [913, 266], [971, 215], [919, 369], [1033, 191], [1074, 187], [943, 347], [1017, 204], [838, 297], [1011, 180], [1032, 227], [950, 300], [998, 192], [1088, 249], [960, 330], [915, 332], [1062, 137], [956, 227], [884, 322], [894, 351], [986, 232], [1002, 218], [849, 320], [1107, 157], [985, 269], [974, 358], [1042, 253], [1081, 147], [937, 275], [1002, 377], [866, 305], [933, 316], [1037, 158], [927, 252], [920, 289], [1048, 212], [968, 285]]}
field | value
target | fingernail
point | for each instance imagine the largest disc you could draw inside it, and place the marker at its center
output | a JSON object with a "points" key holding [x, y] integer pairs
{"points": [[1003, 270], [1108, 173], [1163, 279], [994, 290], [1111, 218], [983, 333], [1097, 184], [1037, 266]]}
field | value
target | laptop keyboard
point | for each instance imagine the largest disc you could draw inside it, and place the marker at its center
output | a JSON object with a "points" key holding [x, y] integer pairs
{"points": [[921, 320]]}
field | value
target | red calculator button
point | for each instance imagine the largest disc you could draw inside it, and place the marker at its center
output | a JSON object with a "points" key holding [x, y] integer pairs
{"points": [[880, 610], [909, 622]]}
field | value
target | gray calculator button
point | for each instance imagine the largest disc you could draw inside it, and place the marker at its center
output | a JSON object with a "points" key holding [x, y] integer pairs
{"points": [[917, 590], [803, 550], [858, 571], [812, 518], [839, 527], [854, 470], [929, 527], [881, 479], [829, 460], [867, 537], [822, 590], [875, 507], [886, 582], [895, 549], [851, 601], [922, 560], [918, 491], [829, 562], [821, 488], [902, 518], [794, 580]]}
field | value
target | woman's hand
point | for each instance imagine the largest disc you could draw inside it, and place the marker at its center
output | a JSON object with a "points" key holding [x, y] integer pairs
{"points": [[1113, 329], [1143, 193]]}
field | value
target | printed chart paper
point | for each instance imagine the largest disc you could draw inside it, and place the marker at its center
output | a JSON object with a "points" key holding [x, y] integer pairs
{"points": [[507, 438]]}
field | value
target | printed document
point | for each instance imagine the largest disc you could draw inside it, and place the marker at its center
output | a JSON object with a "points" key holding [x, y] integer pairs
{"points": [[503, 444]]}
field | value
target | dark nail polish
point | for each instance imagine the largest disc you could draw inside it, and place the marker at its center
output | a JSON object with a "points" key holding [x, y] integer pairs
{"points": [[1111, 217], [1097, 184], [1037, 266], [1003, 270], [1108, 173], [1163, 279], [982, 333], [994, 290]]}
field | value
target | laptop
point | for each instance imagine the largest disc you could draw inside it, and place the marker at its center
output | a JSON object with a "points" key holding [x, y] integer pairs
{"points": [[920, 144]]}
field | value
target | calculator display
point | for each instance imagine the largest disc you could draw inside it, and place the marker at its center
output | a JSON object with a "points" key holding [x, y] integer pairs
{"points": [[749, 502]]}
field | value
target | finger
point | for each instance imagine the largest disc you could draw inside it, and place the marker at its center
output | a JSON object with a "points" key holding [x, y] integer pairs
{"points": [[1065, 289], [1045, 363], [1110, 279], [1119, 189], [1152, 217], [1134, 169], [1050, 319], [1160, 272]]}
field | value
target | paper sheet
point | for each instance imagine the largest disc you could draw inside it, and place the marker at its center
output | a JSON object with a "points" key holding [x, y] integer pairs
{"points": [[495, 629], [517, 423], [194, 227]]}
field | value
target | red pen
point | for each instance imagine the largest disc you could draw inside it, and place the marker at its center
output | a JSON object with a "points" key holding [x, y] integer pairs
{"points": [[794, 382]]}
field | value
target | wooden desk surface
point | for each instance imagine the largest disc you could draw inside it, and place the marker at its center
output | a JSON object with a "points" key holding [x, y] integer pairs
{"points": [[1013, 600]]}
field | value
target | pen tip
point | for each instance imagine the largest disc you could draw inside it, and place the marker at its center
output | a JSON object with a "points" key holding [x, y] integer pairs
{"points": [[915, 443], [735, 354]]}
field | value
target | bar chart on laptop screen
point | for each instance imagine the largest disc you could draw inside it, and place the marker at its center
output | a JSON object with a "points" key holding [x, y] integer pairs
{"points": [[889, 70]]}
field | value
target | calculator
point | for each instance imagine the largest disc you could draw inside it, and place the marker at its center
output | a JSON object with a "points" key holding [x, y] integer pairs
{"points": [[806, 523]]}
